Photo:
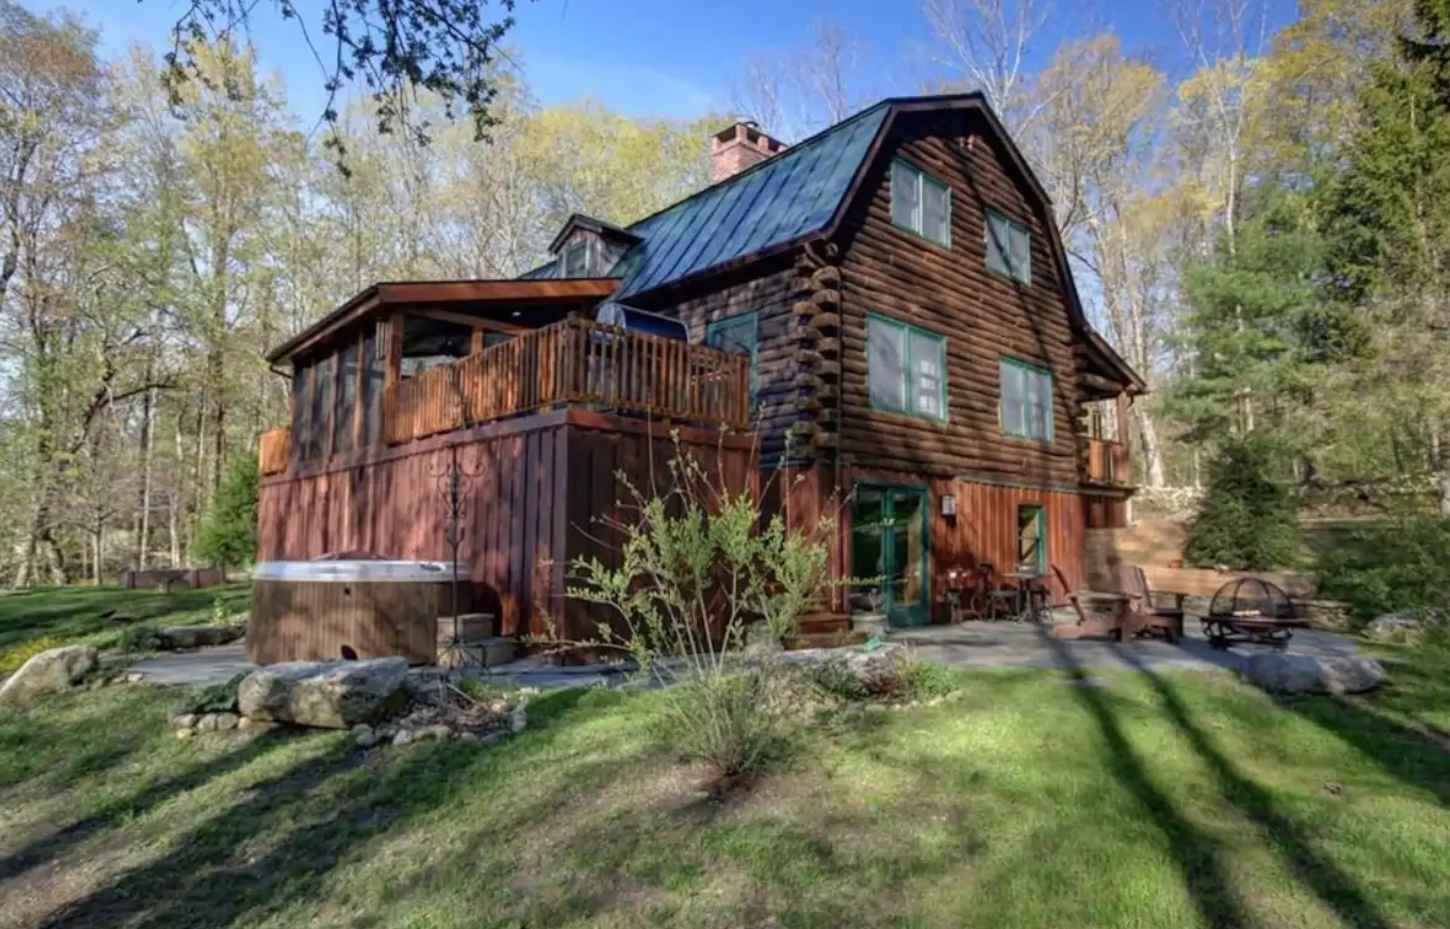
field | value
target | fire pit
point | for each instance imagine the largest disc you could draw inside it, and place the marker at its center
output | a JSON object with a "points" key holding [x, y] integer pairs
{"points": [[1250, 609]]}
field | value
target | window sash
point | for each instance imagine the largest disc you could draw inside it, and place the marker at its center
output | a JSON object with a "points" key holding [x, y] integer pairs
{"points": [[738, 334], [1026, 400], [1009, 247], [905, 369], [921, 204], [1032, 538], [576, 259]]}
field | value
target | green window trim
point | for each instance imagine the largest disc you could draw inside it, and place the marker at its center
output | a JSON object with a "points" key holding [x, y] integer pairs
{"points": [[1032, 378], [1009, 246], [739, 333], [908, 378], [922, 184], [1032, 538]]}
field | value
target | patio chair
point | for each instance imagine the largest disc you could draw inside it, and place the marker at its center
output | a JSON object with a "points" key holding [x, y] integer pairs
{"points": [[998, 602], [1099, 614], [1146, 617]]}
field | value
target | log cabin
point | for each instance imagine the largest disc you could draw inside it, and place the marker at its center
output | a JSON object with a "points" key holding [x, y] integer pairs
{"points": [[883, 313]]}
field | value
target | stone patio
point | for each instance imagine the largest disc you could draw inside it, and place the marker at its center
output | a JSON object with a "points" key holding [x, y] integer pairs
{"points": [[968, 645]]}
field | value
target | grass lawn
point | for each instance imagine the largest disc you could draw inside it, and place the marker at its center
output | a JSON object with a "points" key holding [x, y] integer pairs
{"points": [[1169, 802], [77, 614]]}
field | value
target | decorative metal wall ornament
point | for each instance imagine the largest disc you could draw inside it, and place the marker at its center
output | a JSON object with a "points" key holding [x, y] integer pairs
{"points": [[454, 480]]}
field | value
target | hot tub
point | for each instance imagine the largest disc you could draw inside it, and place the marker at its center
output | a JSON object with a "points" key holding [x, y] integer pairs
{"points": [[325, 610]]}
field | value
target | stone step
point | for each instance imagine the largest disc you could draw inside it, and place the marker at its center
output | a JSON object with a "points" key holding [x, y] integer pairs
{"points": [[471, 626], [487, 652]]}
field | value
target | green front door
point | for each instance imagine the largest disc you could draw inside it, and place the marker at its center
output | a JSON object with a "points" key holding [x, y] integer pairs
{"points": [[889, 546]]}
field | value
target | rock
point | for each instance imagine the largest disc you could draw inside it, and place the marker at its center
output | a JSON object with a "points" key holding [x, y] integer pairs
{"points": [[876, 670], [759, 642], [183, 733], [468, 737], [876, 708], [245, 723], [327, 695], [366, 736], [1406, 625], [434, 732], [519, 719], [1289, 673], [256, 726], [184, 721], [493, 738], [135, 678], [403, 737], [425, 688], [207, 723], [179, 637], [50, 671], [226, 721]]}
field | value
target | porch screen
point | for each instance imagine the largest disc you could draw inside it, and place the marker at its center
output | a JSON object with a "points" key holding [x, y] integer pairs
{"points": [[345, 412], [321, 408], [301, 408], [372, 388]]}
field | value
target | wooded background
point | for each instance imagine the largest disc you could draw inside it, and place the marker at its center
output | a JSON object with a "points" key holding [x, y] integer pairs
{"points": [[1265, 237]]}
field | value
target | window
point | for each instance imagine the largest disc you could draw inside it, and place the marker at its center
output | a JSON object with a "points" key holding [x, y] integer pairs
{"points": [[921, 204], [1009, 247], [344, 416], [1031, 540], [738, 334], [906, 368], [576, 260], [1026, 400]]}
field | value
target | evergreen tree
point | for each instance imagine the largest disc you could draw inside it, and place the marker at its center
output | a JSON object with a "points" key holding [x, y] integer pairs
{"points": [[228, 533], [1246, 520]]}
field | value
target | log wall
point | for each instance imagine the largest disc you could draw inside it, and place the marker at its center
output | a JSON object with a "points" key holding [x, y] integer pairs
{"points": [[982, 315], [769, 289], [536, 485]]}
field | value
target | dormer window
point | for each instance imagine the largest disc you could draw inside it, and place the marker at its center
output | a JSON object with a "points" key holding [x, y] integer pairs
{"points": [[590, 248], [575, 262]]}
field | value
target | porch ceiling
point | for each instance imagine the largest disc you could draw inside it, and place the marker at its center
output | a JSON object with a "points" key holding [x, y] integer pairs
{"points": [[462, 296]]}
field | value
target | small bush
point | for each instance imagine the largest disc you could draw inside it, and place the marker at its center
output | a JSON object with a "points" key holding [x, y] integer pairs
{"points": [[835, 681], [11, 661], [922, 680], [139, 639], [735, 723], [1380, 570], [228, 532], [1245, 521], [218, 698], [482, 691]]}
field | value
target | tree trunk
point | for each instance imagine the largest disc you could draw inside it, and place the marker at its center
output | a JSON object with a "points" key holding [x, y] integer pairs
{"points": [[176, 498], [1440, 466], [143, 523], [1151, 446]]}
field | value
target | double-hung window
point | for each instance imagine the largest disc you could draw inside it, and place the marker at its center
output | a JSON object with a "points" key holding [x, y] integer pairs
{"points": [[921, 204], [1031, 540], [1009, 247], [906, 368], [1026, 400], [576, 260]]}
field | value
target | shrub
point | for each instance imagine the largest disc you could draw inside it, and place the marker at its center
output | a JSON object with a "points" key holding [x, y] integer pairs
{"points": [[737, 723], [228, 533], [698, 565], [11, 661], [1396, 566], [1245, 520], [218, 698], [139, 639], [922, 680]]}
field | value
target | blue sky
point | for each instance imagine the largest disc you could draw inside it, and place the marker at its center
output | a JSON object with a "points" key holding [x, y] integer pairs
{"points": [[671, 57]]}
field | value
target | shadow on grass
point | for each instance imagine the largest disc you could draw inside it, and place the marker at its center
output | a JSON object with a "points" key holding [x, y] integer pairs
{"points": [[1193, 852], [1334, 887], [75, 612], [58, 842]]}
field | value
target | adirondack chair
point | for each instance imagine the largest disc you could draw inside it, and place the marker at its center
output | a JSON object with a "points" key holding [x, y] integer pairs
{"points": [[1146, 617], [1099, 614]]}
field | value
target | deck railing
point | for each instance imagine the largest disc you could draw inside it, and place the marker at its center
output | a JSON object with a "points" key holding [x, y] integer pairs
{"points": [[1107, 462], [274, 450], [575, 361]]}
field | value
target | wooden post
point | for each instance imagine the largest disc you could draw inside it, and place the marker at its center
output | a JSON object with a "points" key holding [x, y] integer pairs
{"points": [[475, 344], [393, 366]]}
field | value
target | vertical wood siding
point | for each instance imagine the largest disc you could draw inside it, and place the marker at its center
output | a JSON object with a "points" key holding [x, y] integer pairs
{"points": [[537, 484]]}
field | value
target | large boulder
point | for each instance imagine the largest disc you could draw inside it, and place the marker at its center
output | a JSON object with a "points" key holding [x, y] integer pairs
{"points": [[875, 672], [52, 670], [1285, 672], [327, 695], [1406, 625], [179, 637]]}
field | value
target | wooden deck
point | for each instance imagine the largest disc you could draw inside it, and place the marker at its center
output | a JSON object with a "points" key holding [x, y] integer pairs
{"points": [[573, 362]]}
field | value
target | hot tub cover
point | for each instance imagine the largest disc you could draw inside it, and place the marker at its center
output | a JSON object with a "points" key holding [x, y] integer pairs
{"points": [[354, 572]]}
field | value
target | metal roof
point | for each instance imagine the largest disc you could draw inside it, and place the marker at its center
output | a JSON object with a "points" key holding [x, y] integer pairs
{"points": [[777, 201]]}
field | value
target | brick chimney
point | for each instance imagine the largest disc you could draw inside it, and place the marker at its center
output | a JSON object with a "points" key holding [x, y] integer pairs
{"points": [[737, 147]]}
